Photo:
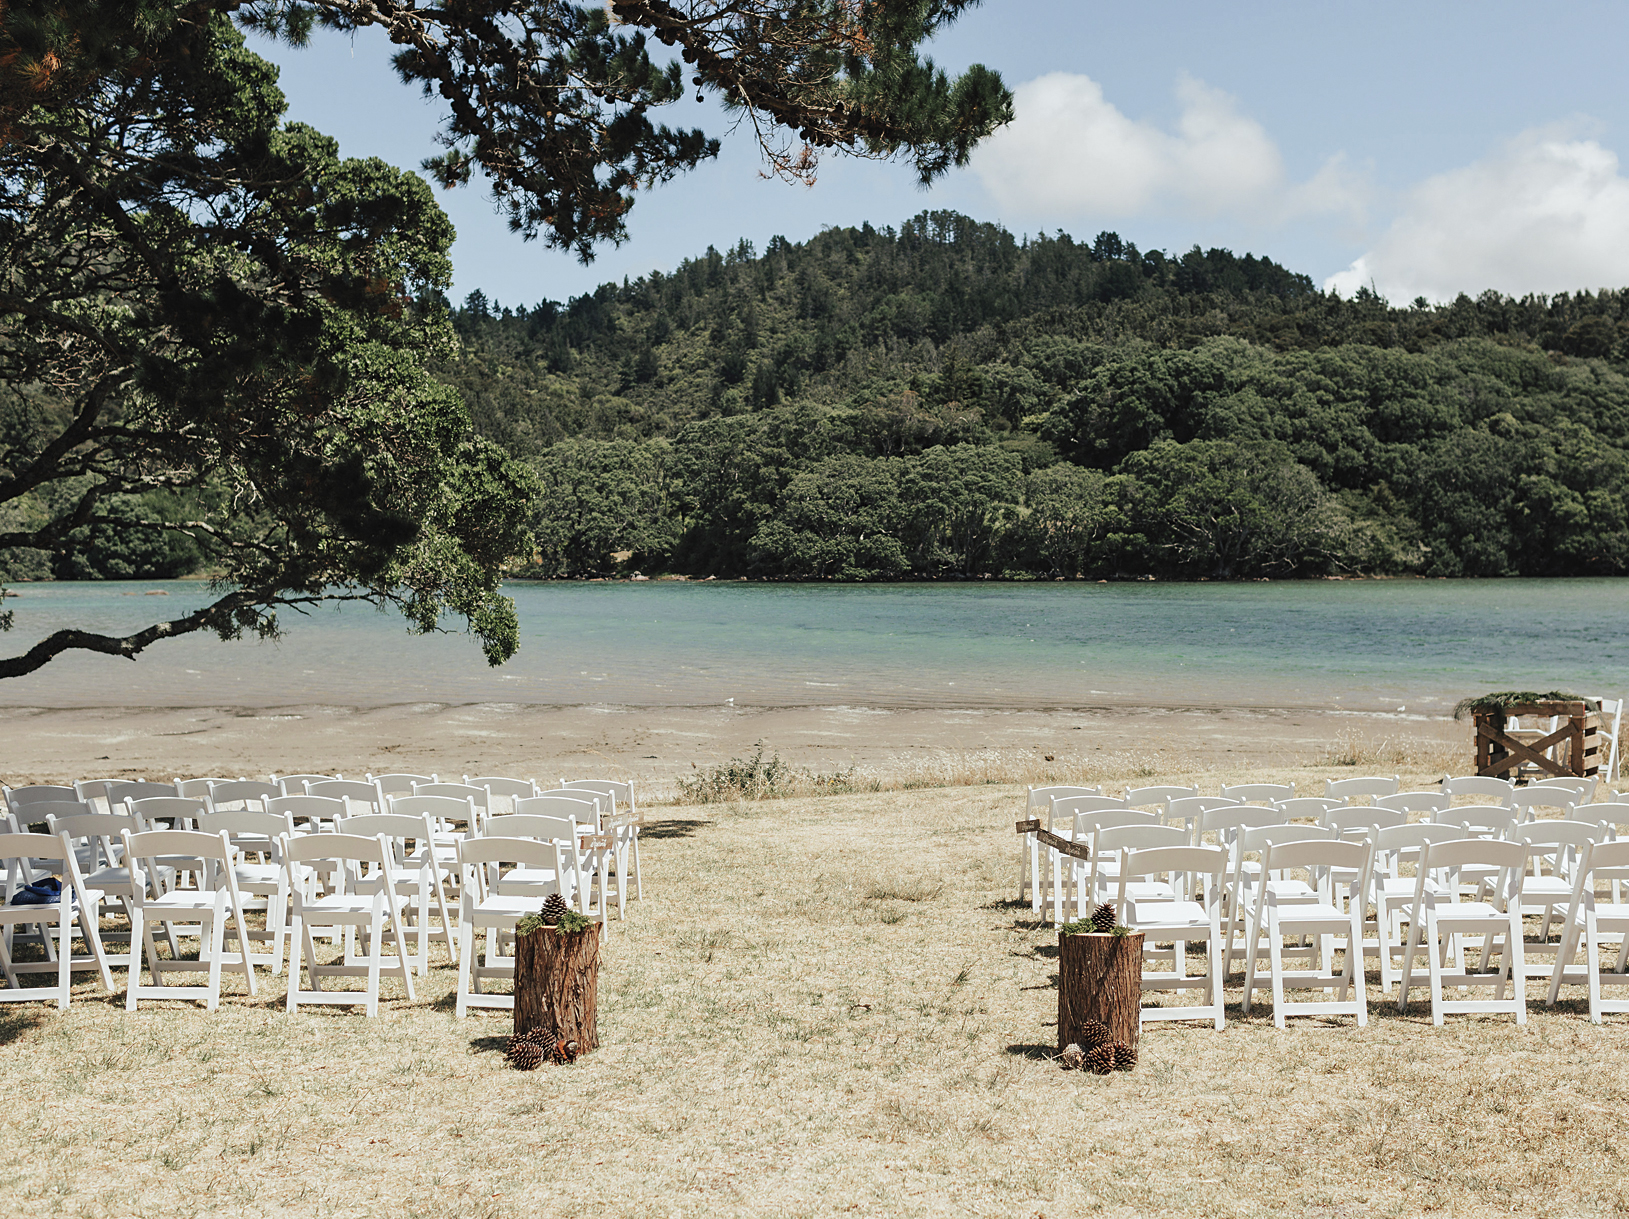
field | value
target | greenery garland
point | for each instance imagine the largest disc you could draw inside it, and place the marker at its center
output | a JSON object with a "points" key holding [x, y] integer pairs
{"points": [[1503, 700]]}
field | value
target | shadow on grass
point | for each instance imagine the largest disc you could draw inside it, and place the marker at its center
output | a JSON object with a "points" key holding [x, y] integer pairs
{"points": [[673, 828], [15, 1024], [489, 1045], [1037, 1053]]}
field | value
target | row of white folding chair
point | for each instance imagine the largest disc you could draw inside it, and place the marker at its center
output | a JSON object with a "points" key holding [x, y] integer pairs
{"points": [[621, 804], [21, 852], [1039, 800], [1593, 921]]}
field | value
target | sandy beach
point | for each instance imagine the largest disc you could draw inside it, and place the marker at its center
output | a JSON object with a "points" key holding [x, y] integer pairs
{"points": [[657, 745]]}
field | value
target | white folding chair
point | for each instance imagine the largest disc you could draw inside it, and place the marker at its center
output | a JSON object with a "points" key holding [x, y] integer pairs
{"points": [[1611, 729], [249, 795], [1392, 893], [562, 827], [497, 913], [1307, 808], [507, 789], [623, 809], [1061, 813], [1247, 876], [1447, 920], [1324, 920], [369, 916], [198, 789], [1363, 787], [415, 873], [1554, 850], [1029, 854], [1085, 816], [399, 784], [1198, 872], [586, 809], [209, 905], [17, 798], [1594, 918], [260, 873], [1536, 803], [97, 840], [19, 852]]}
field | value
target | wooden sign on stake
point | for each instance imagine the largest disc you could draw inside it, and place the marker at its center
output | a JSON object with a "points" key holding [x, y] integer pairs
{"points": [[1047, 838]]}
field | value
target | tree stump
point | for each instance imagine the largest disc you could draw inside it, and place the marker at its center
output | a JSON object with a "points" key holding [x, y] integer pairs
{"points": [[557, 979], [1100, 977]]}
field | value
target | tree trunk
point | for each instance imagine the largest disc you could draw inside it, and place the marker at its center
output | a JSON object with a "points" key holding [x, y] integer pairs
{"points": [[1100, 977], [557, 978]]}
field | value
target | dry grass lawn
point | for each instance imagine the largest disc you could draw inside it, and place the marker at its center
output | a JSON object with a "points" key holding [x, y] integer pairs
{"points": [[822, 1005]]}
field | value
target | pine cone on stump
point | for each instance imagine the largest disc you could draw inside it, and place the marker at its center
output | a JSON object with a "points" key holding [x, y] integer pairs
{"points": [[553, 907], [1093, 1034], [1103, 919], [1100, 1059], [1125, 1056]]}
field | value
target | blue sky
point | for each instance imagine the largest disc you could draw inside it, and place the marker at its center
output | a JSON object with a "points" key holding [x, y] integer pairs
{"points": [[1426, 148]]}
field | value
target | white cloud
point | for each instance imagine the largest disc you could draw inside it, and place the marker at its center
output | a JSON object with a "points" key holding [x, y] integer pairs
{"points": [[1545, 213], [1070, 151]]}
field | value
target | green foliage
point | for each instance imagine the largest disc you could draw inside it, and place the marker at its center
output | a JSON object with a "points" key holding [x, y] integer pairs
{"points": [[1502, 700], [569, 923], [216, 334], [947, 401], [741, 779]]}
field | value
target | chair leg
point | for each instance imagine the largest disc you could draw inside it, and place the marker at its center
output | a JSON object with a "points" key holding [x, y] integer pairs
{"points": [[140, 937], [65, 932], [1515, 963], [216, 932], [466, 951], [1433, 942], [1275, 957], [297, 939]]}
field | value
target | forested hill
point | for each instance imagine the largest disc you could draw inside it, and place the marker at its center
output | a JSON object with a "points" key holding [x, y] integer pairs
{"points": [[949, 400]]}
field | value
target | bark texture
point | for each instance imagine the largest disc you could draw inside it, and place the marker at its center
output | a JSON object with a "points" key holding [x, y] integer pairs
{"points": [[1100, 977], [557, 977]]}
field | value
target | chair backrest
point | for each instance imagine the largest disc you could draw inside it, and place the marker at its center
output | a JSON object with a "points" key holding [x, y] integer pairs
{"points": [[1478, 785], [249, 830], [1191, 807], [44, 810], [1160, 794], [1062, 808], [1229, 819], [1259, 793], [122, 791], [583, 806], [515, 789], [534, 825], [497, 849], [621, 793], [457, 791], [1256, 838], [1614, 813], [1042, 797], [35, 793], [1362, 787], [1083, 824], [1602, 862], [1545, 801], [242, 793], [1111, 838], [99, 831], [1160, 861], [174, 809], [1582, 787], [314, 810], [344, 848], [294, 785], [29, 846], [1350, 820], [348, 790], [1413, 836], [400, 784], [1311, 807], [1415, 802], [184, 844], [1315, 854], [198, 789], [443, 811], [1574, 834], [1457, 853], [391, 825]]}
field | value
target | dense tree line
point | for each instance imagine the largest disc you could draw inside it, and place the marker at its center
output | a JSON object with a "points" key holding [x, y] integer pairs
{"points": [[947, 399]]}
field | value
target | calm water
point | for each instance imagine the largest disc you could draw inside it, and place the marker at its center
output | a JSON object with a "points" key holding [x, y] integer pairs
{"points": [[1364, 646]]}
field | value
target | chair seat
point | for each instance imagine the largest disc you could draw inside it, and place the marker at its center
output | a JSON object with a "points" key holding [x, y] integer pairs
{"points": [[532, 877], [117, 880], [1310, 914], [339, 905], [258, 874], [1157, 915], [503, 911]]}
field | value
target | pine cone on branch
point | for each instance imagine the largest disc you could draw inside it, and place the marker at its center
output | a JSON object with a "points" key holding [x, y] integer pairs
{"points": [[1103, 918], [1100, 1060]]}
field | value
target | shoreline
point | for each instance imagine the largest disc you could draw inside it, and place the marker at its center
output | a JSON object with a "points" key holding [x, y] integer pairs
{"points": [[656, 745]]}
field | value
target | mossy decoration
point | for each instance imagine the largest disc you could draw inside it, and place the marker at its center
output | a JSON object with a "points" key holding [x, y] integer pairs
{"points": [[1503, 700], [568, 922]]}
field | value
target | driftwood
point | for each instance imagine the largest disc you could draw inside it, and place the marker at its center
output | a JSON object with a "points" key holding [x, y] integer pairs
{"points": [[1100, 977], [557, 977]]}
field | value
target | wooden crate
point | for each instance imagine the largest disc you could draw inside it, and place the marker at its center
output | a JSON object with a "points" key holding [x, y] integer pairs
{"points": [[1500, 754]]}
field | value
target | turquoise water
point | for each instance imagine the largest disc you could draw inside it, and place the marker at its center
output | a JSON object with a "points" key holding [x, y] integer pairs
{"points": [[1364, 646]]}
